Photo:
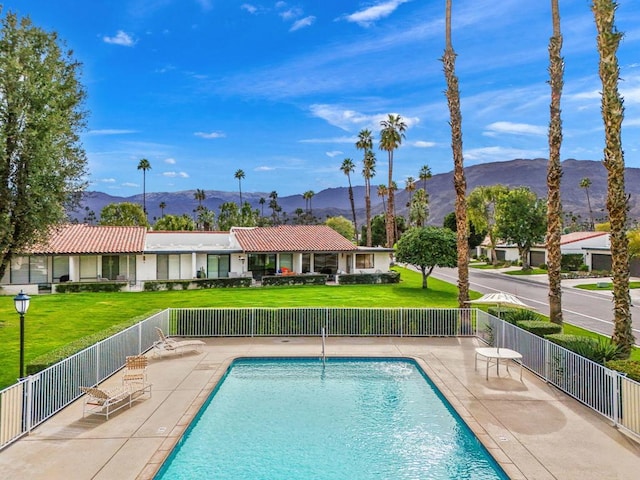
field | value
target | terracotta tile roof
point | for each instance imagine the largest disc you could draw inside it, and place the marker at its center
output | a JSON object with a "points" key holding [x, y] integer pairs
{"points": [[577, 236], [292, 238], [91, 239]]}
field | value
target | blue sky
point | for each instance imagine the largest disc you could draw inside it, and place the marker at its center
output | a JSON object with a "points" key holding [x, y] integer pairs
{"points": [[202, 88]]}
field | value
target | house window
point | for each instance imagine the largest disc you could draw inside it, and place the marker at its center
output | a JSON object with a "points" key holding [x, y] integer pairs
{"points": [[261, 264], [110, 266], [286, 261], [306, 262], [325, 263], [38, 272], [364, 260], [167, 267], [89, 268], [218, 266], [20, 270], [60, 269]]}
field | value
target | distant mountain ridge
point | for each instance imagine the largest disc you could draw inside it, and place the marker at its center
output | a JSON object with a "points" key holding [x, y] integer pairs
{"points": [[335, 201]]}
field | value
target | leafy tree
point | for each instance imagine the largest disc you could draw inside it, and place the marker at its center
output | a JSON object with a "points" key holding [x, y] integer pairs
{"points": [[378, 229], [348, 168], [459, 178], [42, 163], [554, 169], [634, 243], [476, 236], [521, 218], [341, 225], [144, 165], [229, 216], [239, 175], [427, 248], [391, 137], [608, 39], [124, 214], [418, 208], [481, 206], [175, 223]]}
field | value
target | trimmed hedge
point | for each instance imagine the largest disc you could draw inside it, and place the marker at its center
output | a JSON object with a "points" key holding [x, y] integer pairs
{"points": [[368, 278], [304, 279], [540, 328], [76, 287], [226, 282], [599, 351], [629, 367]]}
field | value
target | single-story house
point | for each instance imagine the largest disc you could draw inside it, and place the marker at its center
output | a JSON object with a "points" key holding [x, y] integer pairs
{"points": [[599, 258], [88, 253], [570, 243]]}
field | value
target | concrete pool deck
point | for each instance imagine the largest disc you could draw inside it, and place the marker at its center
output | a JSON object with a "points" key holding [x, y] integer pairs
{"points": [[532, 429]]}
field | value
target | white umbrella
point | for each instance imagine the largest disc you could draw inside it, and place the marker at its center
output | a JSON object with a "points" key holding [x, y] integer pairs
{"points": [[501, 299]]}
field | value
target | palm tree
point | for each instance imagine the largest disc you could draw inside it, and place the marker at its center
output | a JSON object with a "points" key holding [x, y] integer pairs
{"points": [[554, 170], [617, 201], [410, 186], [262, 201], [391, 137], [347, 168], [459, 179], [144, 165], [424, 175], [418, 208], [586, 184], [368, 171], [162, 206], [382, 192], [239, 175], [200, 196], [273, 205], [308, 195], [365, 143]]}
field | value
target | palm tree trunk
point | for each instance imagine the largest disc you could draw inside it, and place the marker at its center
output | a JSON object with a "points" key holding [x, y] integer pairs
{"points": [[390, 224], [353, 208], [367, 205], [554, 170], [459, 179], [617, 202]]}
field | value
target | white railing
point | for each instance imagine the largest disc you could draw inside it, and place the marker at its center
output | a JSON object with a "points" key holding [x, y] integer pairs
{"points": [[36, 398]]}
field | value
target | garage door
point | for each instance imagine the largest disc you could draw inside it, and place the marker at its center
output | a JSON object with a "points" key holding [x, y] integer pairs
{"points": [[536, 259], [634, 267], [601, 262]]}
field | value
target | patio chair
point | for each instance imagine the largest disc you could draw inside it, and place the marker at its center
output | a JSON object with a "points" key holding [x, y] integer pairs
{"points": [[135, 375], [104, 402], [166, 344]]}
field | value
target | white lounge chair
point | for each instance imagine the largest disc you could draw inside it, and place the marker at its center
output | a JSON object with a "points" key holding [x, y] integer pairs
{"points": [[104, 402], [166, 344], [135, 375]]}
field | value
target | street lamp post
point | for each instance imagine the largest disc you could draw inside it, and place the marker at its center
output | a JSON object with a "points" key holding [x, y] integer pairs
{"points": [[21, 302]]}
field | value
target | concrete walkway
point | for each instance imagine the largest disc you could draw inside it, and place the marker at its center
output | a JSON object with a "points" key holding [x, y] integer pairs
{"points": [[533, 430]]}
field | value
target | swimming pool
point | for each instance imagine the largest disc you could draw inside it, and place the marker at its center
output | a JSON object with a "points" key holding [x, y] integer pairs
{"points": [[351, 419]]}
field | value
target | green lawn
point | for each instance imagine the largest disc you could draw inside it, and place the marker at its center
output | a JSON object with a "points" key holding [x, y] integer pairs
{"points": [[531, 271], [57, 320], [608, 286]]}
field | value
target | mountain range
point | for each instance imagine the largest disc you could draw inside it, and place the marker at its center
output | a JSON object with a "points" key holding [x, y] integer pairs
{"points": [[531, 173]]}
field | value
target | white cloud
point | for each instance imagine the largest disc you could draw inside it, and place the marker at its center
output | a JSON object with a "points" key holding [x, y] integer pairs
{"points": [[252, 9], [423, 144], [121, 38], [110, 131], [108, 180], [498, 154], [333, 153], [263, 168], [291, 14], [370, 15], [509, 128], [330, 140], [175, 174], [210, 135], [302, 23], [170, 161], [129, 184]]}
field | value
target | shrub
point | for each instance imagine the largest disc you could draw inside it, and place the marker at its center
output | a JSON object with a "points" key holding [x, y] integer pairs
{"points": [[94, 287], [629, 367], [597, 350], [368, 278], [514, 315], [583, 268], [543, 266], [280, 280], [571, 261], [540, 328]]}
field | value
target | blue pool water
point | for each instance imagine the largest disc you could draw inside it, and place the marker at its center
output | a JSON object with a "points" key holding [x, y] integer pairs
{"points": [[286, 419]]}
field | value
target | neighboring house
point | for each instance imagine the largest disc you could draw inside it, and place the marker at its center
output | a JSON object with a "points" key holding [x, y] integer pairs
{"points": [[570, 243], [87, 253]]}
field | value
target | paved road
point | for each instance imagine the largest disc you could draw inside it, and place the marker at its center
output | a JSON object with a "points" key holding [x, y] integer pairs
{"points": [[592, 310]]}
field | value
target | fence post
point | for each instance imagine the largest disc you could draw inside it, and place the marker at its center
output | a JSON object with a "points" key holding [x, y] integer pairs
{"points": [[98, 362], [614, 377], [29, 405]]}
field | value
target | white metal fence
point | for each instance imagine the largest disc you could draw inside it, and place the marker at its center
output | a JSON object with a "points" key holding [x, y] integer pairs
{"points": [[34, 399]]}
